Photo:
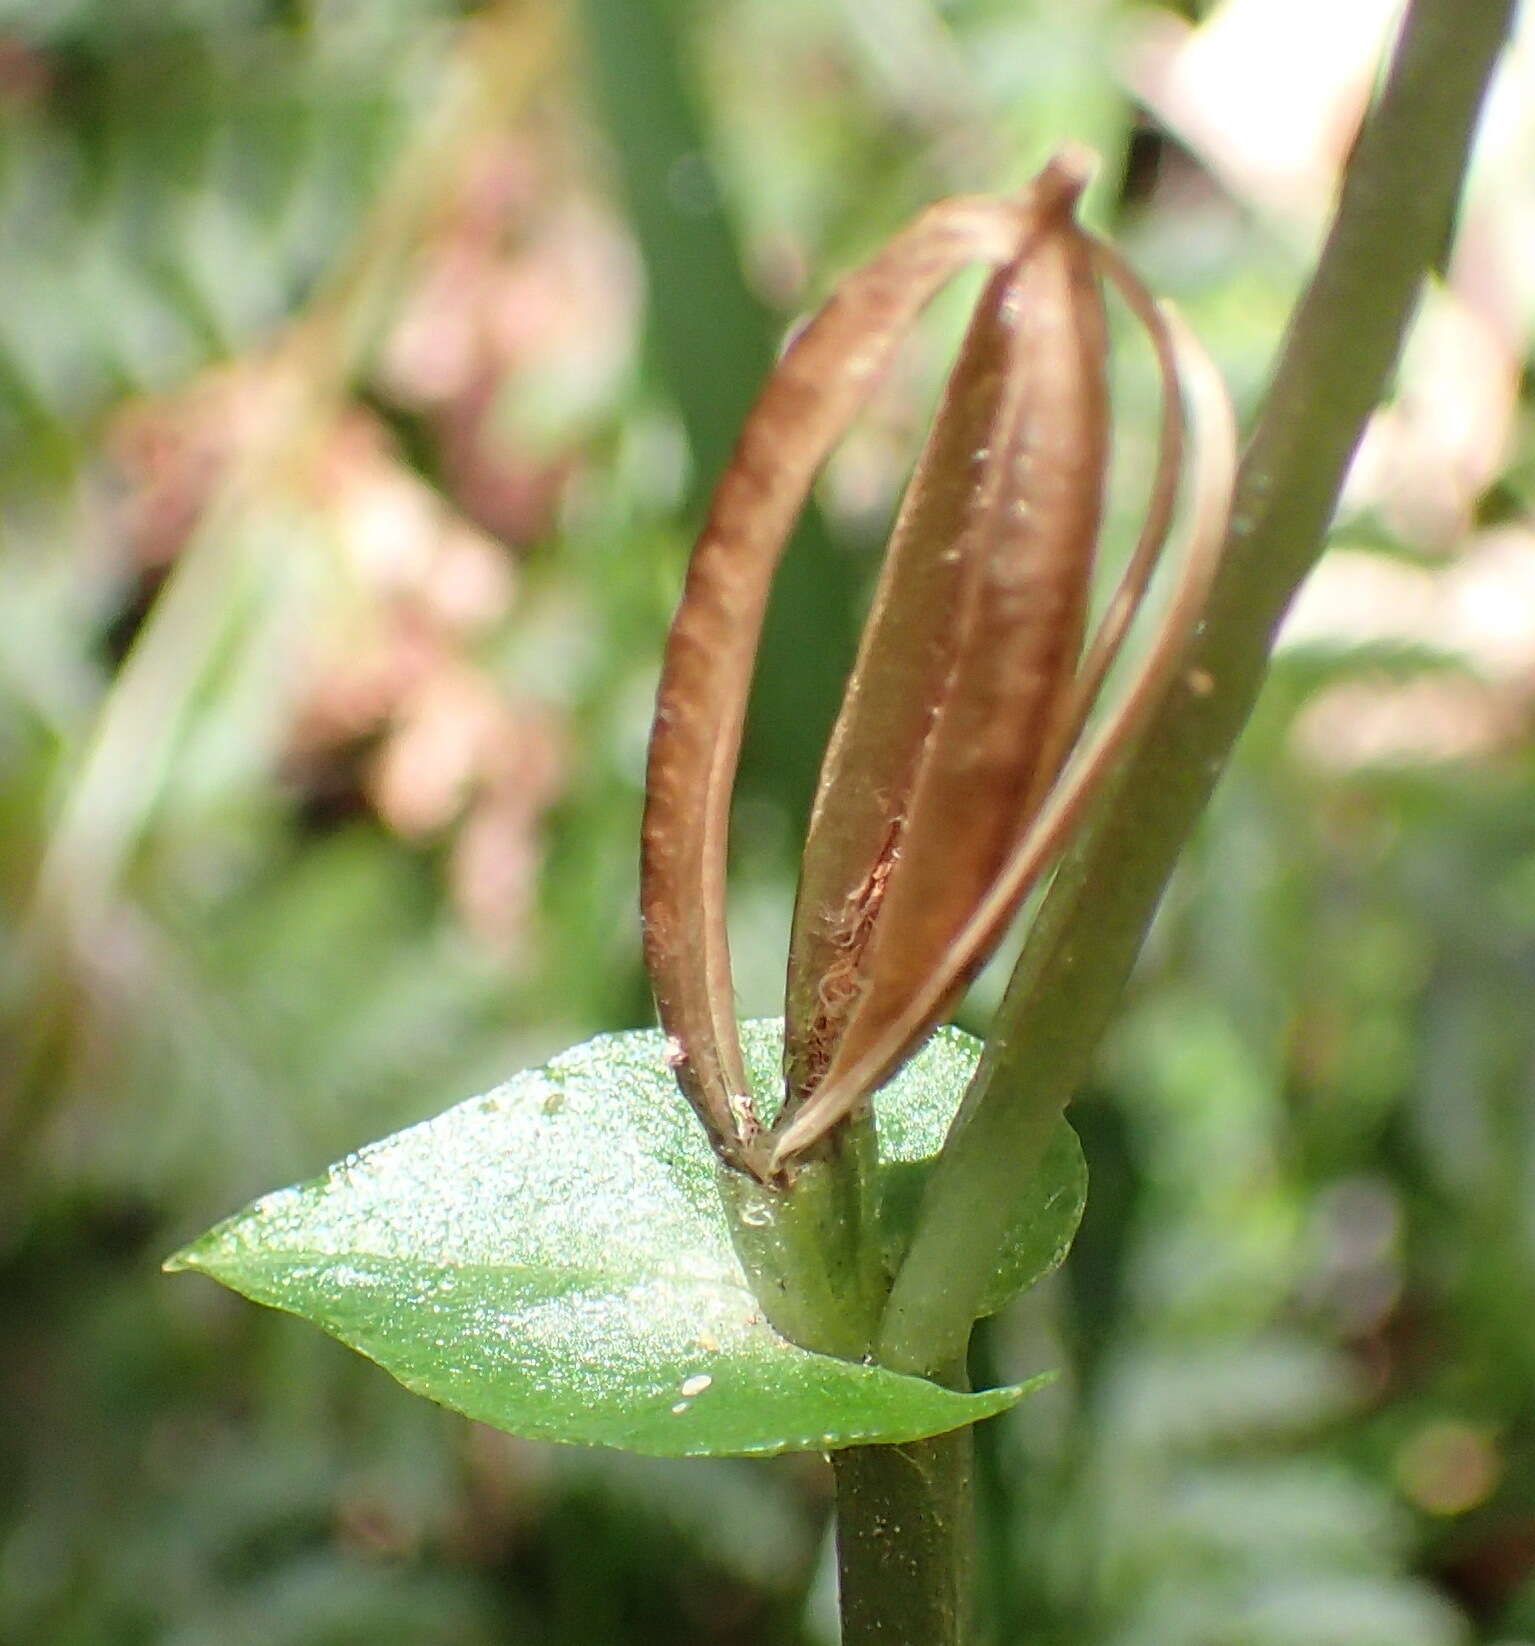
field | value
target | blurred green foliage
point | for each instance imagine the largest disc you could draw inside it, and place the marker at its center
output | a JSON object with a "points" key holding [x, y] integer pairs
{"points": [[362, 370]]}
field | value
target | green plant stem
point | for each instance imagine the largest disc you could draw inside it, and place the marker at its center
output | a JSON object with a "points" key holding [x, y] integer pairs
{"points": [[812, 1252], [905, 1541], [1392, 223]]}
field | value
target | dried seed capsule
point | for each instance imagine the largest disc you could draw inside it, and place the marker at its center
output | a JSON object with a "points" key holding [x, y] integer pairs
{"points": [[1093, 758], [958, 767], [806, 404], [952, 723]]}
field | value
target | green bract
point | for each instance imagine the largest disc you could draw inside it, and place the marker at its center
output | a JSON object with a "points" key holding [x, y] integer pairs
{"points": [[552, 1259]]}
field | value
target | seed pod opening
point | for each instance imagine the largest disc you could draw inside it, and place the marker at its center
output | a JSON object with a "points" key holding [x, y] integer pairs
{"points": [[950, 729], [957, 768], [1091, 758], [806, 404]]}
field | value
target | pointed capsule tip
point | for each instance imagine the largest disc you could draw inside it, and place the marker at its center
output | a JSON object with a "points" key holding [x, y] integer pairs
{"points": [[1052, 196], [1062, 181]]}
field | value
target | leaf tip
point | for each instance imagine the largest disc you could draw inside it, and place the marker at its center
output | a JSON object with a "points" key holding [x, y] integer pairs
{"points": [[198, 1256]]}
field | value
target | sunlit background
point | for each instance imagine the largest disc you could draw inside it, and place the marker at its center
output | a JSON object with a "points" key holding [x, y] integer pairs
{"points": [[364, 365]]}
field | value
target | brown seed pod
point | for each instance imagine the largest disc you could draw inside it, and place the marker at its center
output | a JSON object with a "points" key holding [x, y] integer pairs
{"points": [[806, 404], [928, 782], [948, 786], [1093, 758]]}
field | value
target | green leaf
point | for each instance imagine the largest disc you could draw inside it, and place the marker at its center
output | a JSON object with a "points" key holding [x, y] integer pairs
{"points": [[552, 1259], [1044, 1225]]}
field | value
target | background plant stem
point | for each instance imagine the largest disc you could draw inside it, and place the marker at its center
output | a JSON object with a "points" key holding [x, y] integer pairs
{"points": [[686, 238], [1392, 224]]}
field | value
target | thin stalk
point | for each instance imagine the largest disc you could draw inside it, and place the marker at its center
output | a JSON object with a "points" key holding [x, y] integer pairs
{"points": [[1397, 204], [906, 1541], [812, 1252]]}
